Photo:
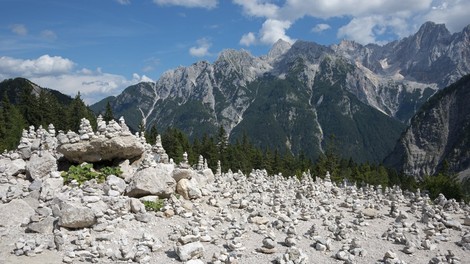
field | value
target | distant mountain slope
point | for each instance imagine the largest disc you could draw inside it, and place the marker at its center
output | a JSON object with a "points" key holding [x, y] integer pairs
{"points": [[14, 87], [297, 95], [439, 133], [100, 107]]}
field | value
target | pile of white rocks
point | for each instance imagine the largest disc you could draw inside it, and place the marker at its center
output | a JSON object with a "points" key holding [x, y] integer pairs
{"points": [[205, 217]]}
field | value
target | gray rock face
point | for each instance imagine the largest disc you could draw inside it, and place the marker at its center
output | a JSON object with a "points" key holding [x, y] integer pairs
{"points": [[72, 216], [39, 166], [12, 167], [15, 213], [437, 133], [44, 226], [102, 148], [151, 181]]}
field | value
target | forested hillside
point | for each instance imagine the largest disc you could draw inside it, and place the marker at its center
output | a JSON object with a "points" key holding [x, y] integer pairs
{"points": [[24, 104]]}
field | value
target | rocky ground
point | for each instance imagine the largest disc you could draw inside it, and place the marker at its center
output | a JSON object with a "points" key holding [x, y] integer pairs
{"points": [[206, 218]]}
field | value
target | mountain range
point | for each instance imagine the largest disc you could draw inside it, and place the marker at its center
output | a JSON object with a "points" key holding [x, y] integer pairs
{"points": [[298, 97]]}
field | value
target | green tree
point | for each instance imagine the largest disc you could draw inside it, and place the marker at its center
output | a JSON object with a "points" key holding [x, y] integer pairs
{"points": [[175, 142], [448, 185], [76, 111], [14, 124], [28, 106], [108, 114], [222, 142], [151, 135]]}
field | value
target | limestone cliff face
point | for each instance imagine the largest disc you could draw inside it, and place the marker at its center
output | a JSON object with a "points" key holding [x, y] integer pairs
{"points": [[439, 132]]}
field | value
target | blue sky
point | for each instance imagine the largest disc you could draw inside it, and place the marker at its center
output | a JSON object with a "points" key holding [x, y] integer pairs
{"points": [[99, 47]]}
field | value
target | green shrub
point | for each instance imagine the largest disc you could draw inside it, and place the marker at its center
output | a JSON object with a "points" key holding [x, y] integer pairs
{"points": [[445, 184], [111, 171], [154, 206], [84, 172]]}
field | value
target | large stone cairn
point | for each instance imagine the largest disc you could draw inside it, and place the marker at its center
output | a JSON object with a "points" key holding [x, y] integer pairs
{"points": [[112, 141]]}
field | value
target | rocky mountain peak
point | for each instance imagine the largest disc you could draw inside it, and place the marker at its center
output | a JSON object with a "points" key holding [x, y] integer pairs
{"points": [[231, 54], [430, 34], [466, 33], [431, 28], [278, 49], [309, 51], [236, 58]]}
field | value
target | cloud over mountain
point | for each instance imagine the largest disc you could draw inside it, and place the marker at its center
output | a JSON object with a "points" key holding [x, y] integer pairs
{"points": [[60, 74], [370, 20]]}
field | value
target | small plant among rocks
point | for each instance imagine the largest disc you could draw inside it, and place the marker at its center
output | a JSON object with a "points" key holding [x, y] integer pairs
{"points": [[154, 206], [111, 171], [85, 172]]}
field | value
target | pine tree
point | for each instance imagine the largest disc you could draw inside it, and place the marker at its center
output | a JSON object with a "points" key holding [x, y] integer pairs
{"points": [[108, 114], [28, 106], [14, 124], [76, 111], [222, 143], [151, 135]]}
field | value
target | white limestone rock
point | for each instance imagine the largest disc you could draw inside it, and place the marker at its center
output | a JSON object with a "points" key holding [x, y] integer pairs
{"points": [[40, 166], [98, 149], [15, 213], [12, 167], [189, 251], [73, 216], [151, 181], [188, 189]]}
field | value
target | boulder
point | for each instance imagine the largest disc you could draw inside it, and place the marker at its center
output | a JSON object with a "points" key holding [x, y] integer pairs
{"points": [[151, 181], [50, 187], [370, 213], [72, 216], [102, 148], [45, 226], [180, 173], [15, 213], [188, 189], [39, 166], [12, 167], [190, 251], [137, 206], [115, 185], [209, 175]]}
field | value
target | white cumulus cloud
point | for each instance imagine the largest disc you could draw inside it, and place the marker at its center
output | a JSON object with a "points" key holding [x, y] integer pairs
{"points": [[361, 30], [369, 20], [320, 28], [44, 65], [59, 73], [258, 8], [202, 48], [248, 39], [209, 4], [453, 13], [273, 30]]}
